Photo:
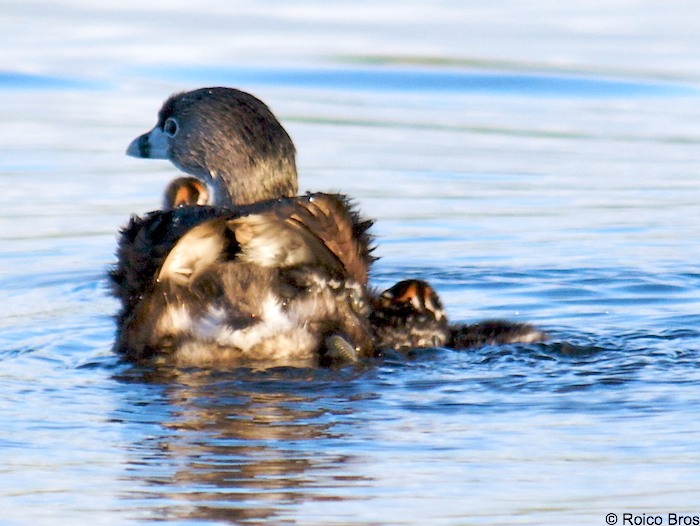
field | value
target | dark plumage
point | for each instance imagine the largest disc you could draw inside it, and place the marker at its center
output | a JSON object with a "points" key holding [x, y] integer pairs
{"points": [[143, 246], [264, 284], [263, 278], [410, 315], [493, 332]]}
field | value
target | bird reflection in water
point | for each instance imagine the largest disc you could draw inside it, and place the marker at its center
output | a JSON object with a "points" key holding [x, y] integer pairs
{"points": [[240, 445]]}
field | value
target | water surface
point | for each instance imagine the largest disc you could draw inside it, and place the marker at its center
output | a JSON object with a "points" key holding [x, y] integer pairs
{"points": [[533, 162]]}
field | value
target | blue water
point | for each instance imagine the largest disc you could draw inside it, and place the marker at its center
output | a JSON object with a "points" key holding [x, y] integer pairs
{"points": [[534, 162], [428, 80]]}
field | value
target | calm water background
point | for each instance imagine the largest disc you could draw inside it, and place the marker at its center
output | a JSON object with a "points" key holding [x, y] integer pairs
{"points": [[534, 160]]}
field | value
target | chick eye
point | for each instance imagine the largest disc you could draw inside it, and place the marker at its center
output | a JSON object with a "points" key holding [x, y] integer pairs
{"points": [[171, 127]]}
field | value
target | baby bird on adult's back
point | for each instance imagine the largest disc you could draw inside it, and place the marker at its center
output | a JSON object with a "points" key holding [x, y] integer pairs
{"points": [[265, 277]]}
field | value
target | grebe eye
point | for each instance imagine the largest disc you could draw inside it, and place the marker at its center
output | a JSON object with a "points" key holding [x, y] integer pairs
{"points": [[171, 127]]}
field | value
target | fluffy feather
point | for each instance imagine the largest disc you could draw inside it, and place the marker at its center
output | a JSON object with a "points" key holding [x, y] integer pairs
{"points": [[177, 267]]}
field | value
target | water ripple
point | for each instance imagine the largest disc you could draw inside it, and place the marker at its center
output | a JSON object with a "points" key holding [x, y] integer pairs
{"points": [[418, 80], [31, 81]]}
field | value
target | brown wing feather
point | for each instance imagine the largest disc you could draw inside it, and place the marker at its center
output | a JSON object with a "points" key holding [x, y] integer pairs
{"points": [[271, 239], [145, 243], [330, 220], [323, 220]]}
